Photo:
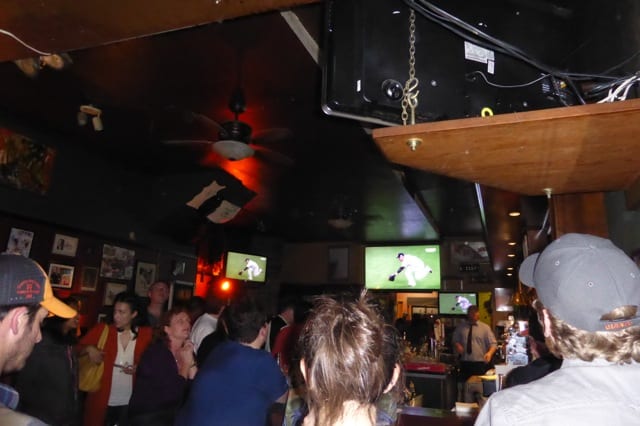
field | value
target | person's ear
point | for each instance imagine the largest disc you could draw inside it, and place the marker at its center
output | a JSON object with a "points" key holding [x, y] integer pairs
{"points": [[18, 318], [546, 324], [263, 330], [394, 378], [303, 369]]}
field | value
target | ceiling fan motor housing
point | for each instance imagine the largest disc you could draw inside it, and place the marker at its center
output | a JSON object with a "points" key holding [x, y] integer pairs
{"points": [[236, 130]]}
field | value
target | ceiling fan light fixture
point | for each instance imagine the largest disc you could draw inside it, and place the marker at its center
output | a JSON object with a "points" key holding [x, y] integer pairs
{"points": [[82, 118], [233, 150], [97, 123], [340, 223]]}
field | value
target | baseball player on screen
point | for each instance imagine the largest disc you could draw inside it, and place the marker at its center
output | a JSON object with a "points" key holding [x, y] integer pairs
{"points": [[413, 267], [252, 268]]}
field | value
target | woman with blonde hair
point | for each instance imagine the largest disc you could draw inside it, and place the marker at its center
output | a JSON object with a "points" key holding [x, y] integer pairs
{"points": [[349, 360]]}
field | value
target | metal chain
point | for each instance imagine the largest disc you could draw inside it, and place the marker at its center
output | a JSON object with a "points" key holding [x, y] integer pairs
{"points": [[410, 91]]}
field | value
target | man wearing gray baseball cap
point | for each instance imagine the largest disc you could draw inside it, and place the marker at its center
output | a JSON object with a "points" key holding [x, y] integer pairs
{"points": [[26, 298], [588, 299]]}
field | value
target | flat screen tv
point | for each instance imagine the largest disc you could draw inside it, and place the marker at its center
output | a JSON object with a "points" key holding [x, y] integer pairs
{"points": [[455, 303], [461, 73], [402, 267], [246, 267]]}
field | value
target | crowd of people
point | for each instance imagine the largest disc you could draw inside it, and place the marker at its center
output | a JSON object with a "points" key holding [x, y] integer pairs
{"points": [[321, 360]]}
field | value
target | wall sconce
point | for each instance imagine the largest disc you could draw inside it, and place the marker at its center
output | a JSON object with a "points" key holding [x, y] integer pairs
{"points": [[32, 66], [95, 113], [97, 123]]}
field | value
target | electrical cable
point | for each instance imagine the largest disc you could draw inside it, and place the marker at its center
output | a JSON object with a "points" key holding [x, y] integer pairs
{"points": [[441, 17], [504, 86], [475, 35], [25, 44]]}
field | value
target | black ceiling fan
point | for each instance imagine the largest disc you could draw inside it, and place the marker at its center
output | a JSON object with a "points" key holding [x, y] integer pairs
{"points": [[234, 140]]}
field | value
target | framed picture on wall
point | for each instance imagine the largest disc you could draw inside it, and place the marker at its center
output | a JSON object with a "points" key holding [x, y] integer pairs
{"points": [[145, 276], [20, 241], [61, 275], [469, 252], [338, 263], [504, 299], [117, 262], [64, 245], [111, 290], [89, 279], [180, 293]]}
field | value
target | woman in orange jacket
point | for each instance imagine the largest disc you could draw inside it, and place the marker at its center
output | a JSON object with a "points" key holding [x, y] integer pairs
{"points": [[121, 354]]}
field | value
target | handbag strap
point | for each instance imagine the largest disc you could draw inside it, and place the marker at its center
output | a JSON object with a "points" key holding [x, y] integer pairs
{"points": [[103, 337]]}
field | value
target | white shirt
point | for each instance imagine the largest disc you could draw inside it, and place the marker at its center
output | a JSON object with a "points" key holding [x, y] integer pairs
{"points": [[121, 383], [579, 393], [205, 324]]}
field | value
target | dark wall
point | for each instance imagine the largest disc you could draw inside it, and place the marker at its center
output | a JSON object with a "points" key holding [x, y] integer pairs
{"points": [[89, 255], [98, 195]]}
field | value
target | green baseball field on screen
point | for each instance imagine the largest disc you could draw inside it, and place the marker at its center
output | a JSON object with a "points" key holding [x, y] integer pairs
{"points": [[236, 263], [382, 263]]}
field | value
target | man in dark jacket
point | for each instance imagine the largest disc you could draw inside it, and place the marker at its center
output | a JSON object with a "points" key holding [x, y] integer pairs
{"points": [[48, 383]]}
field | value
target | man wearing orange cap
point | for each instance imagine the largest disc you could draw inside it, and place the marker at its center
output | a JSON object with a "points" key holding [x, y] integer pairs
{"points": [[26, 299]]}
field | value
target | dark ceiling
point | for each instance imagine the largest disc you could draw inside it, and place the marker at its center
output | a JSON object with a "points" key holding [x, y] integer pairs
{"points": [[321, 168]]}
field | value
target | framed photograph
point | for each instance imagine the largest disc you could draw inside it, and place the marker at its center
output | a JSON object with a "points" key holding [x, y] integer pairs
{"points": [[111, 290], [504, 299], [180, 293], [338, 263], [64, 245], [117, 262], [469, 251], [145, 276], [61, 275], [20, 242], [89, 278], [102, 318]]}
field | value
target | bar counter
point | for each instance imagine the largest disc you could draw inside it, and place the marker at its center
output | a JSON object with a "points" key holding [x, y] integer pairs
{"points": [[432, 380], [422, 416]]}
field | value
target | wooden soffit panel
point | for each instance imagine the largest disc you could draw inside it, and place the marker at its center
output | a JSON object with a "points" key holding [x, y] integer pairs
{"points": [[584, 148], [66, 25]]}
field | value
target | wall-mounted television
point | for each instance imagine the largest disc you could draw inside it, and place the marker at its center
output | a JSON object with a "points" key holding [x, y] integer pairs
{"points": [[461, 72], [455, 303], [402, 267], [245, 266]]}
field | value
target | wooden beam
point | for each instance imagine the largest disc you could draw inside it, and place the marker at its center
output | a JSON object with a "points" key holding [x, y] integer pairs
{"points": [[583, 213], [67, 25], [632, 196]]}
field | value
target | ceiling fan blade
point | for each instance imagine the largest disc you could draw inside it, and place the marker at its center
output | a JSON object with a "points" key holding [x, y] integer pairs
{"points": [[176, 123], [195, 143], [273, 156], [272, 135], [207, 122]]}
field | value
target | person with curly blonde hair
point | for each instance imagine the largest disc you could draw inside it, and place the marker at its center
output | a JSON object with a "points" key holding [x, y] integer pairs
{"points": [[588, 298]]}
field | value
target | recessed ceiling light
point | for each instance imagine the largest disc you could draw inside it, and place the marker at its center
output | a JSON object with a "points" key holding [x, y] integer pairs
{"points": [[512, 243], [509, 274], [510, 268], [511, 255], [514, 214]]}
